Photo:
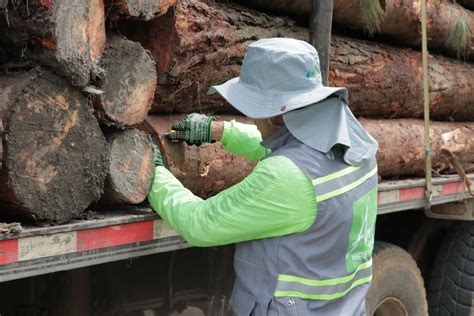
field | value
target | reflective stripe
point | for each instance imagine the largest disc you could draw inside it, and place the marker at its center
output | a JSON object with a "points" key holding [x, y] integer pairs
{"points": [[336, 174], [342, 177], [322, 296], [323, 289], [345, 279], [344, 189]]}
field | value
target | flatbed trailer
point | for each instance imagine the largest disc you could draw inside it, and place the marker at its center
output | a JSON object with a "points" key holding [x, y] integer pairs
{"points": [[125, 234]]}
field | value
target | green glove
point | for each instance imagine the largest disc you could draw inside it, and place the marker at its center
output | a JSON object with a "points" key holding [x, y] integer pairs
{"points": [[194, 129], [158, 157]]}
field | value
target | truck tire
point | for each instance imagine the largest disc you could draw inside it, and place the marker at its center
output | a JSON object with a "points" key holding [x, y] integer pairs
{"points": [[397, 287], [451, 288]]}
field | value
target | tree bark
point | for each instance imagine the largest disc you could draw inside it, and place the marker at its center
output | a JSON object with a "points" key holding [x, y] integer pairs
{"points": [[208, 169], [205, 169], [199, 44], [400, 20], [128, 86], [196, 45], [131, 167], [139, 9], [54, 153], [67, 35], [401, 146], [386, 82]]}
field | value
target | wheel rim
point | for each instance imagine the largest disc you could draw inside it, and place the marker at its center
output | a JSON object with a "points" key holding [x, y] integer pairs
{"points": [[391, 306]]}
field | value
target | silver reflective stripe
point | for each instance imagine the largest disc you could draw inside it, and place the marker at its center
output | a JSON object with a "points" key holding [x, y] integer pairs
{"points": [[333, 182], [329, 289]]}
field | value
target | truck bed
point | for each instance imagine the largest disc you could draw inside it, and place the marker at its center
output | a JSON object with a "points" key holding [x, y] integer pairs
{"points": [[133, 232]]}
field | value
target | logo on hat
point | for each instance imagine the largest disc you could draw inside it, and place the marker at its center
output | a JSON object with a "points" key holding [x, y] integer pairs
{"points": [[312, 74]]}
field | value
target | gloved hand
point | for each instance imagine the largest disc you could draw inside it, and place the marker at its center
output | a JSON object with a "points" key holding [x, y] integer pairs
{"points": [[194, 129], [158, 157]]}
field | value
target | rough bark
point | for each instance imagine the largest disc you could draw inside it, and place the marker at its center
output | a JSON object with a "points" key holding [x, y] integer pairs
{"points": [[469, 4], [54, 153], [400, 20], [199, 44], [131, 166], [139, 9], [128, 87], [401, 146], [67, 35], [196, 45], [205, 170], [386, 82]]}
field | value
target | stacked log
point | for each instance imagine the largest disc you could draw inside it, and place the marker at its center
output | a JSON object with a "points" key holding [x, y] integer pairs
{"points": [[66, 35], [53, 157], [55, 161], [205, 45], [206, 169], [128, 85], [130, 167], [399, 20]]}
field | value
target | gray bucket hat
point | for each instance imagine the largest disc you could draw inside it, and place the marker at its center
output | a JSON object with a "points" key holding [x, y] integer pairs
{"points": [[278, 75]]}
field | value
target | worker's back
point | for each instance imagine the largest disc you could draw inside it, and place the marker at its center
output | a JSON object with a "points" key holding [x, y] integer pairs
{"points": [[325, 270]]}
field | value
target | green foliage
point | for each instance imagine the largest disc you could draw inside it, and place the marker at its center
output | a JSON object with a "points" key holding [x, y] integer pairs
{"points": [[372, 15], [460, 37]]}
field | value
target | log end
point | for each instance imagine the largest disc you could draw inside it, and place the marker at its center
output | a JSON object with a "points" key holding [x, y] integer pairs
{"points": [[54, 152], [80, 37], [131, 167], [130, 83]]}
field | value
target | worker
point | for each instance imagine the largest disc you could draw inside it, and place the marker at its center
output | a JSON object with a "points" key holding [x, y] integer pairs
{"points": [[304, 218]]}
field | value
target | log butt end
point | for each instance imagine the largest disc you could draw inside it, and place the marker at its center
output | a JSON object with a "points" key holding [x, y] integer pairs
{"points": [[54, 151], [130, 83], [80, 37], [131, 168]]}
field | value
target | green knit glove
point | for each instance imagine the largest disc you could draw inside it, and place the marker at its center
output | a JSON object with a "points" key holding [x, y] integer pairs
{"points": [[194, 129], [158, 157]]}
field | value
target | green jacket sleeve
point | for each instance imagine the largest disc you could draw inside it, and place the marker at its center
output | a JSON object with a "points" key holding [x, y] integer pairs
{"points": [[243, 140], [276, 199]]}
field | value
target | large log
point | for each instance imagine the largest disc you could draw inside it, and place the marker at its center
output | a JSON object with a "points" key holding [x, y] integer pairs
{"points": [[386, 82], [198, 44], [138, 9], [130, 168], [129, 83], [208, 169], [205, 169], [398, 20], [54, 153], [67, 35], [401, 146]]}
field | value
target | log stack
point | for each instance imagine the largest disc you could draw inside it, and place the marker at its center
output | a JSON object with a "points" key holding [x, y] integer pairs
{"points": [[69, 97], [80, 89]]}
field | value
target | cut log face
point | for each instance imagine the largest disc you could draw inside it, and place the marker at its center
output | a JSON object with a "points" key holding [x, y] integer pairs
{"points": [[141, 9], [401, 146], [60, 33], [199, 44], [206, 169], [398, 19], [129, 84], [131, 167], [54, 153]]}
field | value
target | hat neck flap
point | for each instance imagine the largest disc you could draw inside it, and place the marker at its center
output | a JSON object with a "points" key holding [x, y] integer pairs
{"points": [[329, 122]]}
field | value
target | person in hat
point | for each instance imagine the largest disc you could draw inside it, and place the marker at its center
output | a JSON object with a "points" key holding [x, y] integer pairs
{"points": [[304, 219]]}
